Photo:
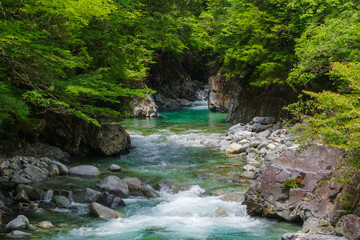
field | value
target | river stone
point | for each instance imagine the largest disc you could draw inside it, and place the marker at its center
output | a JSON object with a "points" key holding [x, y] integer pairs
{"points": [[110, 200], [137, 188], [45, 224], [115, 168], [20, 222], [270, 157], [103, 212], [36, 174], [184, 103], [17, 234], [114, 185], [47, 205], [248, 175], [22, 196], [61, 201], [234, 148], [221, 212], [85, 171], [32, 192], [249, 168], [87, 195]]}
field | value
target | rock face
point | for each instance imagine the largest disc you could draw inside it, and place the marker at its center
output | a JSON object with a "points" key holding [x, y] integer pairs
{"points": [[221, 91], [266, 197], [251, 101], [114, 185], [103, 212], [80, 138], [27, 170], [320, 202], [144, 107], [85, 171]]}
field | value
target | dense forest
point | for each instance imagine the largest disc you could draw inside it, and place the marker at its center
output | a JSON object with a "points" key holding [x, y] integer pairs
{"points": [[88, 58]]}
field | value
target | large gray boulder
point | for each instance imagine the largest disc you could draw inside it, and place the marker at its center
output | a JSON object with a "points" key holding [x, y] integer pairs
{"points": [[85, 171], [87, 195], [103, 212], [61, 201], [110, 200], [137, 188], [114, 185], [20, 222]]}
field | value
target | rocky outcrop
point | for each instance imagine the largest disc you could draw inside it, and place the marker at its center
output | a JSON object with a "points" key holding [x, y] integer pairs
{"points": [[251, 101], [267, 198], [144, 107], [321, 202], [221, 92], [80, 138]]}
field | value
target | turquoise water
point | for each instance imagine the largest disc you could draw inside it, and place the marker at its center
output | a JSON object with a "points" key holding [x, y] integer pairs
{"points": [[199, 188]]}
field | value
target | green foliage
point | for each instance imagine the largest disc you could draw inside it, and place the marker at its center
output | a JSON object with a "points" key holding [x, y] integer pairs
{"points": [[291, 183]]}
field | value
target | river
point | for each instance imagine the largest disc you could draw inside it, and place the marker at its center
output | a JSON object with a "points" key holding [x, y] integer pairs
{"points": [[199, 188]]}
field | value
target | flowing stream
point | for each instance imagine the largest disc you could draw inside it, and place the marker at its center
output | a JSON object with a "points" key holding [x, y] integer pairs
{"points": [[199, 188]]}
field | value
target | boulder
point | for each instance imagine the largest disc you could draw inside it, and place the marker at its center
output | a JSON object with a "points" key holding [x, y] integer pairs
{"points": [[22, 196], [87, 195], [234, 148], [61, 201], [103, 212], [114, 185], [184, 103], [17, 234], [20, 222], [45, 224], [85, 171], [115, 168], [144, 107], [110, 200], [137, 188]]}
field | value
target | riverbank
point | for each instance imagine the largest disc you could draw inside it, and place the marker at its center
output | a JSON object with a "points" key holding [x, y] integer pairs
{"points": [[198, 189]]}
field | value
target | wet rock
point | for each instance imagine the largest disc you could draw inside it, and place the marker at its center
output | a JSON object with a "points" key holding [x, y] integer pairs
{"points": [[110, 200], [61, 201], [137, 188], [304, 236], [32, 192], [87, 195], [45, 224], [85, 171], [248, 175], [103, 212], [114, 185], [184, 103], [17, 234], [20, 222], [221, 212], [47, 205], [115, 168], [22, 197]]}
